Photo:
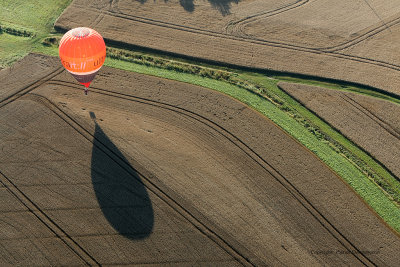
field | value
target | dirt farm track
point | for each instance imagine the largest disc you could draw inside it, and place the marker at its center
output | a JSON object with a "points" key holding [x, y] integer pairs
{"points": [[194, 177]]}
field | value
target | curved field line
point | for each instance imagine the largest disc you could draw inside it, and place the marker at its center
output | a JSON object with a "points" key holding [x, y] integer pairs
{"points": [[30, 87], [280, 178], [371, 33], [283, 45], [150, 185], [238, 27], [235, 26]]}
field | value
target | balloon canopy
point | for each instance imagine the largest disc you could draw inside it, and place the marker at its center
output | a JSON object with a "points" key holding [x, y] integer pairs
{"points": [[82, 52]]}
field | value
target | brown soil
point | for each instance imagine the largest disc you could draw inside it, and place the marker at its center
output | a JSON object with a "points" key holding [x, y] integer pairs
{"points": [[323, 24], [371, 123], [276, 35], [168, 172], [383, 46], [12, 79]]}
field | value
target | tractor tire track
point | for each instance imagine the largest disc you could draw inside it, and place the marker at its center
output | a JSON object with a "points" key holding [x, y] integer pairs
{"points": [[280, 178], [370, 115], [369, 34], [47, 221], [148, 183], [256, 41], [236, 27], [26, 89]]}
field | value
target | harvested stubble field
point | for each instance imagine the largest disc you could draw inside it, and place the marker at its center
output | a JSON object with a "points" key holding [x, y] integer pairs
{"points": [[306, 37], [383, 46], [372, 123], [193, 176]]}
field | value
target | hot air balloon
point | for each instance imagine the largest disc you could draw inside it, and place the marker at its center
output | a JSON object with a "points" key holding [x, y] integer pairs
{"points": [[82, 52]]}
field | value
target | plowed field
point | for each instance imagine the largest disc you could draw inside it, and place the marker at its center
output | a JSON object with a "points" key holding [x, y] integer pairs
{"points": [[149, 170], [305, 37], [373, 124]]}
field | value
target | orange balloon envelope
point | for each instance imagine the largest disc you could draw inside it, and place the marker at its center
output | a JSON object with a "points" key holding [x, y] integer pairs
{"points": [[82, 52]]}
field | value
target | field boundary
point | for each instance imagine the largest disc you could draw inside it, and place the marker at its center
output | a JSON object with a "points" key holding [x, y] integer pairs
{"points": [[262, 42], [379, 179], [230, 78], [291, 188], [314, 131], [221, 64]]}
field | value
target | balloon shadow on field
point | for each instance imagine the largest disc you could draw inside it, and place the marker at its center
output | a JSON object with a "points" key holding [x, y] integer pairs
{"points": [[121, 195], [223, 6]]}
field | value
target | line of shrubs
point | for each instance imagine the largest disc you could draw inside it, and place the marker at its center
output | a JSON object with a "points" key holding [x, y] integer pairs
{"points": [[16, 32], [205, 72], [51, 41], [168, 64], [226, 76]]}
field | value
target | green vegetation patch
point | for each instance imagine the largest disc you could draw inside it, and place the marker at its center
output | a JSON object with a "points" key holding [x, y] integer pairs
{"points": [[16, 31], [23, 26], [13, 48], [38, 15], [326, 134]]}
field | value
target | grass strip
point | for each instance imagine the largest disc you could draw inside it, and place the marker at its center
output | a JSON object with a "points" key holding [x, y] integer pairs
{"points": [[24, 24], [325, 133]]}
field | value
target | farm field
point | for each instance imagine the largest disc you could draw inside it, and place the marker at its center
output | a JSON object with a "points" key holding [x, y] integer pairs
{"points": [[323, 24], [280, 46], [383, 46], [87, 167], [217, 133], [373, 124], [350, 112]]}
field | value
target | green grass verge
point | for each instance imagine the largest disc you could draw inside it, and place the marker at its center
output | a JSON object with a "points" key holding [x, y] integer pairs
{"points": [[38, 15], [377, 173], [12, 48]]}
